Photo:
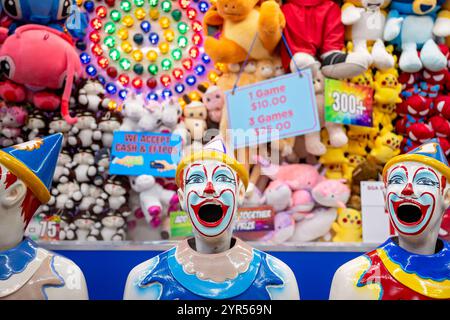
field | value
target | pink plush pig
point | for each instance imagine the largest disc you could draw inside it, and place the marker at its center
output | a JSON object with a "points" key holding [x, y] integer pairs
{"points": [[11, 121], [37, 58], [331, 193], [214, 100]]}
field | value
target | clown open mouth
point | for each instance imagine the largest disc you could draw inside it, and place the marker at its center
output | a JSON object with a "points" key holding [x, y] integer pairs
{"points": [[210, 213], [410, 212]]}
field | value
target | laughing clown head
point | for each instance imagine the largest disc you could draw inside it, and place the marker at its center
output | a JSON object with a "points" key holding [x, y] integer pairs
{"points": [[418, 189], [211, 186]]}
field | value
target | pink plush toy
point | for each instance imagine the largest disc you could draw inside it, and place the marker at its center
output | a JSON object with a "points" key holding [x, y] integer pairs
{"points": [[214, 100], [36, 58], [328, 195], [11, 122], [301, 178]]}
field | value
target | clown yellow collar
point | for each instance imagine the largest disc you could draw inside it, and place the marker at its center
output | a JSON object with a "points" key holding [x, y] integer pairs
{"points": [[428, 275]]}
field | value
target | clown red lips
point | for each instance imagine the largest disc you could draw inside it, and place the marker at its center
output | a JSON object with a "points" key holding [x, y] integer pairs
{"points": [[210, 196], [414, 193]]}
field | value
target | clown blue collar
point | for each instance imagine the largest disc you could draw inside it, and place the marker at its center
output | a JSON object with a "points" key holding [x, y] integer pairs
{"points": [[16, 260], [435, 266]]}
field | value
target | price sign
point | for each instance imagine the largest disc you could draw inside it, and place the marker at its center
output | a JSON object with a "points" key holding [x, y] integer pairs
{"points": [[347, 103], [137, 153], [274, 109], [44, 228], [180, 225]]}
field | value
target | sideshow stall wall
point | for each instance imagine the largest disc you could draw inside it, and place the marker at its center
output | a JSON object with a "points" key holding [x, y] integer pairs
{"points": [[106, 265]]}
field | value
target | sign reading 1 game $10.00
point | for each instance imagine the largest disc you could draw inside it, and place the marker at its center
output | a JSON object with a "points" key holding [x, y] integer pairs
{"points": [[274, 109], [348, 103]]}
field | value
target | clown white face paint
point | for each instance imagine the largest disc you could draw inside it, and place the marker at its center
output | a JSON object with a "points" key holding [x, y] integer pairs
{"points": [[210, 196], [415, 197]]}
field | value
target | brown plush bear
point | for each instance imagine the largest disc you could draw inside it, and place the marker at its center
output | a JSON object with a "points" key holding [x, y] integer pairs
{"points": [[231, 26]]}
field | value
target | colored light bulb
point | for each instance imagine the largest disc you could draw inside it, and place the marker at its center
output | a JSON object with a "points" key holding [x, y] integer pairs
{"points": [[166, 93], [139, 3], [125, 5], [114, 54], [127, 47], [137, 83], [110, 27], [177, 54], [138, 69], [110, 42], [115, 15], [125, 64], [152, 96], [166, 6], [206, 59], [191, 13], [89, 6], [111, 88], [197, 26], [178, 73], [197, 39], [96, 23], [124, 79], [128, 21], [153, 69], [153, 3], [191, 80], [101, 12], [103, 62], [213, 77], [184, 3], [154, 38], [123, 34], [95, 37], [165, 80], [164, 47], [154, 14], [164, 22], [97, 50], [169, 35], [166, 64], [183, 27], [146, 26], [152, 55], [194, 52], [112, 72], [179, 88], [200, 70], [176, 15], [138, 39], [182, 42], [152, 83], [140, 14], [123, 94], [203, 6], [90, 70], [85, 58], [187, 64], [137, 55]]}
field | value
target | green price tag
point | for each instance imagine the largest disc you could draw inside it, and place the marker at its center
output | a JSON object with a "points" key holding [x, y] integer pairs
{"points": [[180, 225]]}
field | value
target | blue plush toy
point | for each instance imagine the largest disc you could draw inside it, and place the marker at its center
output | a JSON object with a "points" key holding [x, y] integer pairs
{"points": [[53, 13], [410, 26]]}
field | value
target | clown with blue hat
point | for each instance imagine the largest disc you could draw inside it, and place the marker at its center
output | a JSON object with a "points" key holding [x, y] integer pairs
{"points": [[415, 265], [212, 264], [27, 271]]}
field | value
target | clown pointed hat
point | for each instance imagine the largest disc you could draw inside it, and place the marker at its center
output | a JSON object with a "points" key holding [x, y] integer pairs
{"points": [[430, 153], [216, 150], [34, 162]]}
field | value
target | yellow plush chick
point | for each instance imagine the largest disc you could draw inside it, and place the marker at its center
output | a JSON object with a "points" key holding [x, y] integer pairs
{"points": [[364, 79], [386, 147], [387, 87], [348, 226]]}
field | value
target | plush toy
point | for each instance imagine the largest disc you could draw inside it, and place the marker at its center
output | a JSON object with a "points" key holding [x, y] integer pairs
{"points": [[284, 225], [442, 105], [81, 226], [325, 39], [37, 57], [151, 119], [336, 132], [92, 96], [334, 158], [354, 160], [36, 125], [65, 195], [94, 199], [348, 226], [107, 124], [387, 87], [366, 20], [410, 26], [59, 14], [214, 100], [58, 124], [329, 195], [417, 133], [63, 171], [110, 227], [153, 198], [171, 116], [11, 122], [132, 111], [383, 115], [253, 197], [85, 132], [238, 23], [386, 147], [195, 114], [278, 195]]}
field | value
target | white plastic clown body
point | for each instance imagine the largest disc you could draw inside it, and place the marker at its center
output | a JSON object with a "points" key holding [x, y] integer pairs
{"points": [[416, 264], [28, 272], [213, 264]]}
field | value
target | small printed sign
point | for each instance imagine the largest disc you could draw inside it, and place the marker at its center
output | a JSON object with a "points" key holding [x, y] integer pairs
{"points": [[44, 228], [180, 225], [137, 153], [253, 223], [377, 226], [274, 109], [348, 103]]}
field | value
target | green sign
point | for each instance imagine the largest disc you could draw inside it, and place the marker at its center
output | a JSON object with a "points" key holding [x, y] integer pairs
{"points": [[180, 225]]}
